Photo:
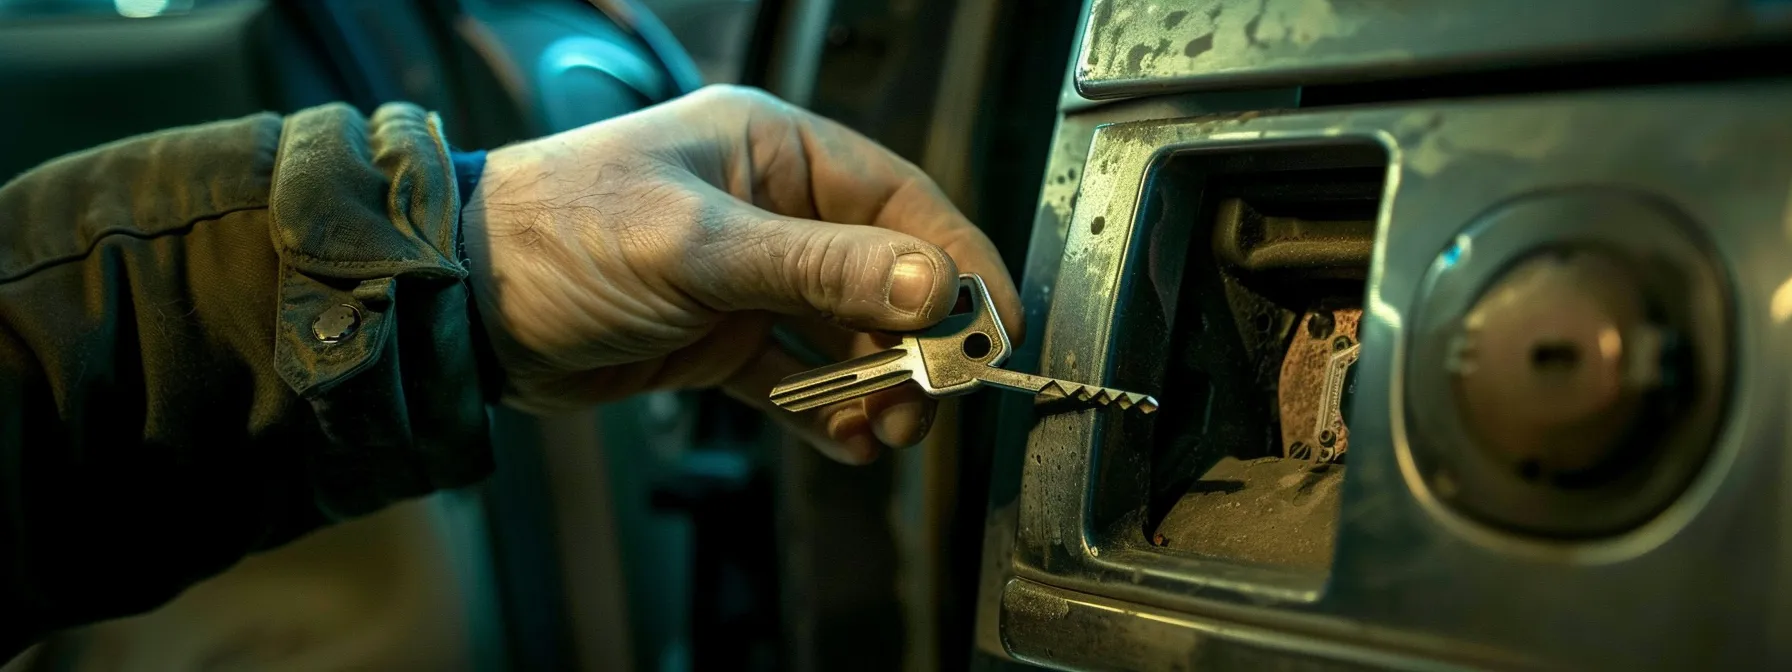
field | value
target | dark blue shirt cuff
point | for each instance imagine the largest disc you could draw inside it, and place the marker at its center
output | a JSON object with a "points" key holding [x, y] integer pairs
{"points": [[468, 168]]}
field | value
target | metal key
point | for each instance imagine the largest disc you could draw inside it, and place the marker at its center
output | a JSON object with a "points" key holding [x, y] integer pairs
{"points": [[961, 353]]}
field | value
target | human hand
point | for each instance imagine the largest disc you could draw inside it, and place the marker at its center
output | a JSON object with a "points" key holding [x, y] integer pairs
{"points": [[657, 250]]}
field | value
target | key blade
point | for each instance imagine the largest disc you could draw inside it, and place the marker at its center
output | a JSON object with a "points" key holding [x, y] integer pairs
{"points": [[1053, 389], [850, 379]]}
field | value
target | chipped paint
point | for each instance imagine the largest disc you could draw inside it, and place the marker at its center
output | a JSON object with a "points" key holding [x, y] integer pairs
{"points": [[1265, 42], [1303, 22], [1198, 46], [1232, 31], [1064, 173], [1213, 33]]}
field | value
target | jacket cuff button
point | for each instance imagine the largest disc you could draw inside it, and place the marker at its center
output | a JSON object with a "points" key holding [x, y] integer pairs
{"points": [[336, 323]]}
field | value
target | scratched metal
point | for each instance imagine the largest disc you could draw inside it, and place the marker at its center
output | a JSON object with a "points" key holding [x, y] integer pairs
{"points": [[1084, 632], [1700, 587], [1062, 181], [1131, 47]]}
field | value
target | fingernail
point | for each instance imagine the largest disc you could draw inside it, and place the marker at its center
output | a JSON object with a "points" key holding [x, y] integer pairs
{"points": [[911, 283]]}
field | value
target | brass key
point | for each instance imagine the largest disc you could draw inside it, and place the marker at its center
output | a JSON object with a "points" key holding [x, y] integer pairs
{"points": [[954, 357]]}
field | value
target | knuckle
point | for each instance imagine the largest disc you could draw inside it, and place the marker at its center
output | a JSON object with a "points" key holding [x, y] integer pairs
{"points": [[817, 261], [954, 240], [768, 261], [735, 95]]}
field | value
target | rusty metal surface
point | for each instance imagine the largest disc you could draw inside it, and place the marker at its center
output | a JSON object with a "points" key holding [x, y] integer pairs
{"points": [[1409, 574], [1311, 386], [1131, 48]]}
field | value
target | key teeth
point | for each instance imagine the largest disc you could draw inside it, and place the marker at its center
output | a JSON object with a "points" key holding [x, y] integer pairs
{"points": [[1145, 404], [1128, 401]]}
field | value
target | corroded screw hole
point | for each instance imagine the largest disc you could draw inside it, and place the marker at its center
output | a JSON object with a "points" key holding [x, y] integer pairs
{"points": [[1321, 324]]}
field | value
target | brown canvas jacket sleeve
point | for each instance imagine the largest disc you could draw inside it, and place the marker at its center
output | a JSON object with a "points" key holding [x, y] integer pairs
{"points": [[214, 339]]}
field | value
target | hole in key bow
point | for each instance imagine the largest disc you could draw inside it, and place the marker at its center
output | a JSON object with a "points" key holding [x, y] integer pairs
{"points": [[976, 345]]}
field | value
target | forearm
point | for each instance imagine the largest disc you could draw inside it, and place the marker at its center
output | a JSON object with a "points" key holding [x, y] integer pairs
{"points": [[215, 339]]}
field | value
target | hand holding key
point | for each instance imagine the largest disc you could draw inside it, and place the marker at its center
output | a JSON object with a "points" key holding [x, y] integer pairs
{"points": [[657, 250], [961, 353]]}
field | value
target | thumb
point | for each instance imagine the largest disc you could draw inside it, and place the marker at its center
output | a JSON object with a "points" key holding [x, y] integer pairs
{"points": [[862, 277]]}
